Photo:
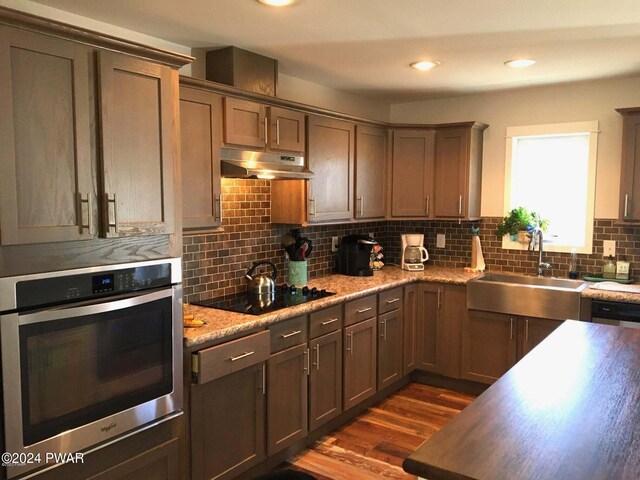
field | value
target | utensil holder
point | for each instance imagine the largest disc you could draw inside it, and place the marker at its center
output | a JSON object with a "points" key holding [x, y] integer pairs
{"points": [[298, 272]]}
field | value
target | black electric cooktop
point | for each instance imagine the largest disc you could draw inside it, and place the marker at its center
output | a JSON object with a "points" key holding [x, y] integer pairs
{"points": [[284, 296]]}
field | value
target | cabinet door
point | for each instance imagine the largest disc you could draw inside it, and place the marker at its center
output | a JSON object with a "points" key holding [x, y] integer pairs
{"points": [[325, 379], [430, 328], [359, 362], [488, 345], [159, 463], [412, 172], [331, 148], [371, 168], [287, 397], [389, 348], [46, 188], [409, 328], [286, 130], [137, 103], [227, 424], [535, 331], [630, 173], [200, 114], [244, 123], [451, 170]]}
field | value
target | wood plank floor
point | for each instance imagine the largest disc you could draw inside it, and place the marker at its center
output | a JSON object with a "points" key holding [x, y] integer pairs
{"points": [[374, 445]]}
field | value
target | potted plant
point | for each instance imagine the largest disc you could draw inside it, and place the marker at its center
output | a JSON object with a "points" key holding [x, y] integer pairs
{"points": [[519, 222]]}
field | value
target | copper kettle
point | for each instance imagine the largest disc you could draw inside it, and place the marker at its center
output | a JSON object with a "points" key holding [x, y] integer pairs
{"points": [[261, 284]]}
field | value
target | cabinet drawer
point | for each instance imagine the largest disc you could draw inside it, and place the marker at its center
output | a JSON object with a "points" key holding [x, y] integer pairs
{"points": [[288, 333], [390, 300], [221, 360], [325, 321], [359, 310]]}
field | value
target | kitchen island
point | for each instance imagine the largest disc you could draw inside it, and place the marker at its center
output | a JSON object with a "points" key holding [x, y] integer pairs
{"points": [[569, 410]]}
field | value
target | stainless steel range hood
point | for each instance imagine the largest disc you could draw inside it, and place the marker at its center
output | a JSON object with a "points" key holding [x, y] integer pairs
{"points": [[248, 164]]}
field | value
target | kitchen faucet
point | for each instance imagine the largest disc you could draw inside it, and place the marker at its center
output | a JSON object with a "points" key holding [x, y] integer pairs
{"points": [[542, 266]]}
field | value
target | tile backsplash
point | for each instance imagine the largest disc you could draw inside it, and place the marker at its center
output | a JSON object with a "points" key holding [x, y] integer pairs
{"points": [[214, 263]]}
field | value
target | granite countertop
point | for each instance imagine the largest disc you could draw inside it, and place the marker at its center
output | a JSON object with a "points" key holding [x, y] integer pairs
{"points": [[611, 296], [220, 324]]}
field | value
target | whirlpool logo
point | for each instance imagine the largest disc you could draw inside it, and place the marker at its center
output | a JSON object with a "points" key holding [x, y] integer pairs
{"points": [[106, 428]]}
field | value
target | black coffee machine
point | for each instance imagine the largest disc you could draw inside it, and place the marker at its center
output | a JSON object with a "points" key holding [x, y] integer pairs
{"points": [[354, 255]]}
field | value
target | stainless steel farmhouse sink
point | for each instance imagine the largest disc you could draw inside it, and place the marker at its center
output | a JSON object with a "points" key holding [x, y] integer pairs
{"points": [[542, 297]]}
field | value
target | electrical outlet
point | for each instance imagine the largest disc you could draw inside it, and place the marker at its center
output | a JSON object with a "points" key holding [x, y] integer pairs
{"points": [[335, 241], [440, 240], [371, 234], [609, 248]]}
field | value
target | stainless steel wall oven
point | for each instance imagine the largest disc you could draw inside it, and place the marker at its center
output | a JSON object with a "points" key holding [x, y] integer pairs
{"points": [[89, 356]]}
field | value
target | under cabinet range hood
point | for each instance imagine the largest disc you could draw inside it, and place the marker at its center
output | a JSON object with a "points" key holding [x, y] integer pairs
{"points": [[248, 164]]}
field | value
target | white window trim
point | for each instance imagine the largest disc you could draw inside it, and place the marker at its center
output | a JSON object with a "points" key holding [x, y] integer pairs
{"points": [[592, 128]]}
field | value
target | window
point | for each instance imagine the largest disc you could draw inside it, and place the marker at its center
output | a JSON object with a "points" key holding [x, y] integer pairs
{"points": [[551, 169]]}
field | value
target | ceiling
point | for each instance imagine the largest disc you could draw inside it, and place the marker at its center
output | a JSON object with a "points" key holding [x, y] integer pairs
{"points": [[365, 46]]}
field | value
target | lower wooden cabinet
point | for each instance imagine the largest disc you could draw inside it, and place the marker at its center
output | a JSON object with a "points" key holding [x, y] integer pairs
{"points": [[409, 329], [359, 362], [429, 328], [390, 348], [535, 331], [227, 424], [325, 379], [287, 397]]}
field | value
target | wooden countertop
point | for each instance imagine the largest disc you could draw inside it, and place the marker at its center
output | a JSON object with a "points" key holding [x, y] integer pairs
{"points": [[220, 324], [569, 410]]}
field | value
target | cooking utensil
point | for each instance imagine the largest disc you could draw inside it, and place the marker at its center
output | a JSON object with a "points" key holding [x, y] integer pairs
{"points": [[261, 283]]}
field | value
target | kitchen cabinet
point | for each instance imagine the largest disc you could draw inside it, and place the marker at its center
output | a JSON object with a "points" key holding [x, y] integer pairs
{"points": [[430, 328], [287, 400], [458, 171], [371, 167], [331, 159], [228, 407], [325, 379], [200, 130], [257, 126], [360, 358], [412, 173], [535, 331], [409, 328], [50, 178], [390, 347], [630, 171]]}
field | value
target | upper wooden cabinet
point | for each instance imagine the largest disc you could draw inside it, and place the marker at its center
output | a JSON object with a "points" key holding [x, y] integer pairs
{"points": [[371, 168], [137, 119], [50, 189], [331, 159], [630, 171], [412, 173], [458, 171], [200, 115], [46, 188], [259, 127]]}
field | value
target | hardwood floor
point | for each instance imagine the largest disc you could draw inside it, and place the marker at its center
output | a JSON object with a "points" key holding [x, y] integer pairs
{"points": [[374, 445]]}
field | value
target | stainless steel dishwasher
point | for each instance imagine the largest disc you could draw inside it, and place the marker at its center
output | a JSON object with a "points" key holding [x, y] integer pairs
{"points": [[616, 313]]}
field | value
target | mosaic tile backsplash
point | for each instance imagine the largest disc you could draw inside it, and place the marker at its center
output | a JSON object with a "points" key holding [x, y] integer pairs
{"points": [[214, 263]]}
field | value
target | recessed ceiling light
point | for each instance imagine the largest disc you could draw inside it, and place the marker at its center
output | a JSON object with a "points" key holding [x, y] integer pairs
{"points": [[520, 62], [425, 65], [278, 3]]}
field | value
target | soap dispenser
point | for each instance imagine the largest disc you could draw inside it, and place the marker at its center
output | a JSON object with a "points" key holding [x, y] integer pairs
{"points": [[609, 269]]}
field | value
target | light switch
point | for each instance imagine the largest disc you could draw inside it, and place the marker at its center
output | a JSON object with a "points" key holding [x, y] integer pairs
{"points": [[440, 240], [609, 247]]}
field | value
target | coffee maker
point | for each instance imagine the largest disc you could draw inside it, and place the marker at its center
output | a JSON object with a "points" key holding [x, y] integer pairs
{"points": [[354, 255], [413, 252]]}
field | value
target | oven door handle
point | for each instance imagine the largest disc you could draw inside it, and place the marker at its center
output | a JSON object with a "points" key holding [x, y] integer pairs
{"points": [[104, 306]]}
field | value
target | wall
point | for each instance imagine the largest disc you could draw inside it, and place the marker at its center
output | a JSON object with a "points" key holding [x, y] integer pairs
{"points": [[594, 100]]}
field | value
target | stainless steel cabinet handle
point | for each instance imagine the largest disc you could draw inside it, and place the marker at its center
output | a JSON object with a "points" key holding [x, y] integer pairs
{"points": [[459, 204], [439, 298], [511, 329], [266, 128], [264, 379], [244, 355], [305, 366], [364, 310], [358, 203], [278, 132], [113, 224], [313, 211], [316, 347], [393, 300], [287, 335], [350, 343], [427, 202], [626, 205], [526, 330], [89, 224], [329, 322], [384, 329], [362, 206]]}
